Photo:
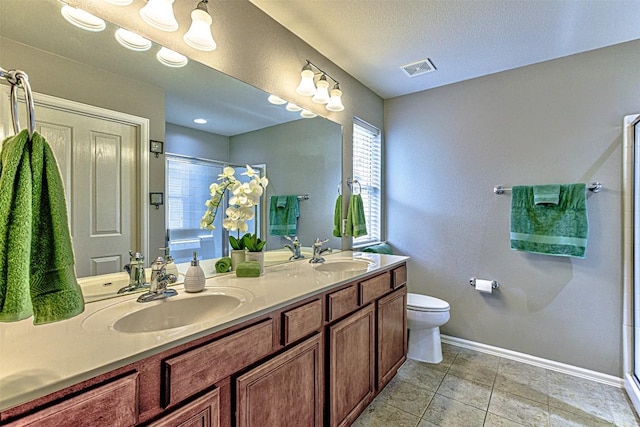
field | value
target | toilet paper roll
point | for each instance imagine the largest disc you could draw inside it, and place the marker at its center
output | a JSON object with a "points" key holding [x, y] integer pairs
{"points": [[484, 286]]}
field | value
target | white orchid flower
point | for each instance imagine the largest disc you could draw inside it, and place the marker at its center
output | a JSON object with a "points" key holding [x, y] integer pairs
{"points": [[213, 189], [247, 213], [227, 173], [264, 181], [251, 172]]}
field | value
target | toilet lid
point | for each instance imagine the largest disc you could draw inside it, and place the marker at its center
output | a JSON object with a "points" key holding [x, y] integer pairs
{"points": [[426, 303]]}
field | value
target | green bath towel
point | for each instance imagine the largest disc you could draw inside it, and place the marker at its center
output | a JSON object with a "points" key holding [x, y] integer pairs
{"points": [[37, 275], [223, 265], [337, 217], [283, 215], [549, 229], [356, 222], [380, 248], [248, 269], [549, 194]]}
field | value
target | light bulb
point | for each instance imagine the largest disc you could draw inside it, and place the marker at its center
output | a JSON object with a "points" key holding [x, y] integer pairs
{"points": [[308, 114], [199, 34], [82, 19], [120, 2], [132, 40], [159, 14], [335, 103], [306, 86], [276, 100], [322, 91], [293, 107], [170, 58]]}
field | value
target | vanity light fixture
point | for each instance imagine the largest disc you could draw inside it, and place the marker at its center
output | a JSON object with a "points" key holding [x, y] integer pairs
{"points": [[132, 41], [159, 14], [82, 19], [171, 58], [293, 107], [276, 100], [308, 114], [320, 90], [200, 121], [120, 2], [199, 34]]}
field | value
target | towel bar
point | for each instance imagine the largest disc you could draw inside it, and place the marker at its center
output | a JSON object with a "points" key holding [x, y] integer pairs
{"points": [[593, 187]]}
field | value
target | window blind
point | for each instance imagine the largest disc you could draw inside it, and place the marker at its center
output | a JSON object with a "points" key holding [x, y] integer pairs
{"points": [[367, 170]]}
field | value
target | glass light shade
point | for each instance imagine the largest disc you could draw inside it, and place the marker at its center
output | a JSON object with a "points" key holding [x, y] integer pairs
{"points": [[82, 19], [273, 99], [170, 58], [120, 2], [322, 91], [306, 86], [159, 14], [199, 34], [293, 107], [335, 103], [132, 40], [308, 114]]}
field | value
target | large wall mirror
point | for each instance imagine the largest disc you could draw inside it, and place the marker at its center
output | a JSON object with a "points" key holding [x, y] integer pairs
{"points": [[301, 156]]}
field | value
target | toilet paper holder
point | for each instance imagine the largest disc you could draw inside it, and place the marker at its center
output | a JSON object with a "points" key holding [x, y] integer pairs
{"points": [[494, 285]]}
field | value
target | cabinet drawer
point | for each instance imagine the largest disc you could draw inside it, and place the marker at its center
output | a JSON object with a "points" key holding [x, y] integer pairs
{"points": [[202, 367], [112, 404], [301, 321], [374, 287], [399, 276], [342, 302]]}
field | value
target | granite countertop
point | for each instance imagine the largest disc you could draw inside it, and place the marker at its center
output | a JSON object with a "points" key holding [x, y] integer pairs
{"points": [[38, 360]]}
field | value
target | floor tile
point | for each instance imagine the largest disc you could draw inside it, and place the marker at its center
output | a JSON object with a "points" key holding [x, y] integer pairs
{"points": [[420, 374], [406, 397], [445, 412], [466, 391], [519, 409], [528, 387], [492, 420], [378, 414], [474, 369], [561, 418]]}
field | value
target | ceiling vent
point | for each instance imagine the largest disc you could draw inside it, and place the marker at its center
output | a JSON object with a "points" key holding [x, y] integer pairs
{"points": [[418, 68]]}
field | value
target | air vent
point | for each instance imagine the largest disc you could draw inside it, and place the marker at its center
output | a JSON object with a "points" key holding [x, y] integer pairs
{"points": [[418, 68]]}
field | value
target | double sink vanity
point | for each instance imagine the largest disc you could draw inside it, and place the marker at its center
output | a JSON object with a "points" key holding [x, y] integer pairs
{"points": [[303, 344]]}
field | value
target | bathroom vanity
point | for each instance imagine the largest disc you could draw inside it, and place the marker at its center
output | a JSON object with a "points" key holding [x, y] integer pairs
{"points": [[308, 345]]}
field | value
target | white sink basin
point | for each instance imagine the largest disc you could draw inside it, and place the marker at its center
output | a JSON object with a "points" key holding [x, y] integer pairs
{"points": [[344, 265], [183, 310]]}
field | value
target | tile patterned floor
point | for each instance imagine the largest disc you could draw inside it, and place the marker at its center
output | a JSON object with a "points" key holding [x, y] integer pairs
{"points": [[470, 389]]}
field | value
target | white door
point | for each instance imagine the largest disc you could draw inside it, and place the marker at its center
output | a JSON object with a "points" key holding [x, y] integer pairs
{"points": [[97, 158]]}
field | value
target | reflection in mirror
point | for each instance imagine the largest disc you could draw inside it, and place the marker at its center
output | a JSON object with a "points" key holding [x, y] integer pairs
{"points": [[301, 156]]}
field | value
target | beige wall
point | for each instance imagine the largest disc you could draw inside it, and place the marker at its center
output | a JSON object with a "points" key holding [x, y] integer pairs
{"points": [[559, 121]]}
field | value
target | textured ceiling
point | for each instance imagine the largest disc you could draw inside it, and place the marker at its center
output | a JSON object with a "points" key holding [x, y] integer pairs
{"points": [[372, 39]]}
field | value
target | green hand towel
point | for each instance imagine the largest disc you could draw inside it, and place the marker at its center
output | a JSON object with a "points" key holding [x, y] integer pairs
{"points": [[356, 222], [560, 230], [223, 265], [283, 220], [248, 269], [381, 248], [546, 194], [40, 279], [337, 217]]}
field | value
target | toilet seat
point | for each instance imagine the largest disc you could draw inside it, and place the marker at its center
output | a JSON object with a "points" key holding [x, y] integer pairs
{"points": [[420, 302]]}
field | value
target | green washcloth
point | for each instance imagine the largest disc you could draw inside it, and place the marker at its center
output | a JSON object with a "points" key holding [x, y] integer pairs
{"points": [[356, 222], [546, 194], [560, 230], [283, 215], [337, 217], [223, 265], [37, 275], [381, 248], [248, 269]]}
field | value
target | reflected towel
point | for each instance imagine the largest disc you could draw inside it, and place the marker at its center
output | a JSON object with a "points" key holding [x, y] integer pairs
{"points": [[356, 222], [223, 265], [560, 230], [337, 217], [381, 248], [37, 275], [546, 194], [283, 217]]}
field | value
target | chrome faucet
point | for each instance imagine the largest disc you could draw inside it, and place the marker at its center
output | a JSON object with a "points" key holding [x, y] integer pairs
{"points": [[159, 281], [135, 269], [295, 248], [319, 250]]}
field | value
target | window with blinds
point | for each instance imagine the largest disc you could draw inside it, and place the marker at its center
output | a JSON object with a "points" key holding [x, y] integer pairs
{"points": [[367, 170]]}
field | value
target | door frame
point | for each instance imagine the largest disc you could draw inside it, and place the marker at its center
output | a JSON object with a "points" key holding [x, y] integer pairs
{"points": [[142, 164], [631, 385]]}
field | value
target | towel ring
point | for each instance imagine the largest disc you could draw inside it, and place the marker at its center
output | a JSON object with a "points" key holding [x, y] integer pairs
{"points": [[17, 79], [350, 183]]}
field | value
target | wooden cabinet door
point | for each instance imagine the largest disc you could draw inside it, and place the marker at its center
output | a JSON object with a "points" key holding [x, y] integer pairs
{"points": [[351, 365], [202, 412], [392, 334], [286, 391]]}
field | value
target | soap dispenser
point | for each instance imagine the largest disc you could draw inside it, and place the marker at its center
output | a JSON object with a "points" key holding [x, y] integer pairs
{"points": [[194, 280], [170, 266]]}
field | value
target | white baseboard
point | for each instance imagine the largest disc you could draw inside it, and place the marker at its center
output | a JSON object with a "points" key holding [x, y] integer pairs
{"points": [[536, 361]]}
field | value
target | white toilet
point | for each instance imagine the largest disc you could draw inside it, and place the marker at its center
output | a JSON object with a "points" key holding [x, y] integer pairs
{"points": [[425, 315]]}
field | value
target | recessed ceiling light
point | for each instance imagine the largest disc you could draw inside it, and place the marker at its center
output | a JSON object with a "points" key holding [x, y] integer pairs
{"points": [[170, 58], [293, 107], [82, 19], [276, 100], [132, 40], [200, 121]]}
